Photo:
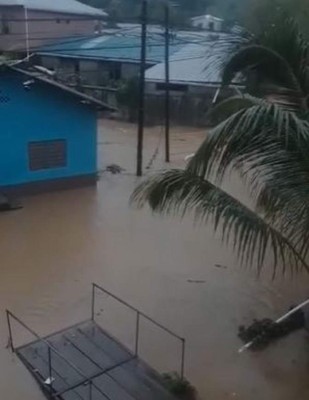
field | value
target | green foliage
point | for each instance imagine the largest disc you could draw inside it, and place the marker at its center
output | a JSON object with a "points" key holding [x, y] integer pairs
{"points": [[263, 138], [178, 386], [128, 97], [253, 14], [129, 10], [128, 93]]}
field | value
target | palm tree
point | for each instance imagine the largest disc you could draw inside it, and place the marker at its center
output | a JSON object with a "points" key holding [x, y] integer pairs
{"points": [[264, 136]]}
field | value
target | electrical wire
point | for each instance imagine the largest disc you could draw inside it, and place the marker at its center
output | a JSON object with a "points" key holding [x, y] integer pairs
{"points": [[62, 52], [54, 49], [156, 151]]}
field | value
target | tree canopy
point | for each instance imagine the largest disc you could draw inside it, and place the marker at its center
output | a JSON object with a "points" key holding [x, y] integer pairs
{"points": [[263, 136], [250, 13]]}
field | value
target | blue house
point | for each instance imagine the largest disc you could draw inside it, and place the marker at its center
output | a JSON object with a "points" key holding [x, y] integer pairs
{"points": [[48, 135]]}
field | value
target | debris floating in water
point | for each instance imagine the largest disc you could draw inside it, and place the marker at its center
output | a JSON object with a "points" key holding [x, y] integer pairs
{"points": [[220, 266], [7, 204], [261, 333], [49, 380], [114, 169]]}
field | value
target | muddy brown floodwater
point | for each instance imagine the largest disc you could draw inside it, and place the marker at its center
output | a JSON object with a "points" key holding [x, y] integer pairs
{"points": [[52, 250]]}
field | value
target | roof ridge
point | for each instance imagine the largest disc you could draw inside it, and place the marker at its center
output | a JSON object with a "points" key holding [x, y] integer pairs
{"points": [[60, 6], [59, 85]]}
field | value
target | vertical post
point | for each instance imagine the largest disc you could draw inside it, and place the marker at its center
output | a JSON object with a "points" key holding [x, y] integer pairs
{"points": [[137, 332], [27, 33], [92, 302], [141, 115], [10, 331], [183, 349], [50, 373], [90, 390], [215, 98], [167, 83]]}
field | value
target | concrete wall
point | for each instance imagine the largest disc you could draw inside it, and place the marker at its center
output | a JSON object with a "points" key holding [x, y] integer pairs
{"points": [[47, 28], [43, 113]]}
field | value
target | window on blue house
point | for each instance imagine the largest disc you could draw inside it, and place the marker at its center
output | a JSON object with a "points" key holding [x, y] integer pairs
{"points": [[47, 154]]}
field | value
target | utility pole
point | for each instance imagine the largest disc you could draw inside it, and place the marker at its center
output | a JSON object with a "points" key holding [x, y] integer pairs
{"points": [[167, 82], [141, 109], [27, 33]]}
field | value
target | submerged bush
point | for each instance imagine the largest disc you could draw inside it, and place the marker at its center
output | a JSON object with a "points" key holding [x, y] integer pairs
{"points": [[180, 387]]}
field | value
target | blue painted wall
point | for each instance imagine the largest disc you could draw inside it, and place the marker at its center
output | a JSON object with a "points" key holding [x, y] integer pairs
{"points": [[42, 113]]}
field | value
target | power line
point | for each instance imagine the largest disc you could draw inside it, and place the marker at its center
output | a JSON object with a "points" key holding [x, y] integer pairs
{"points": [[128, 59], [63, 51], [51, 49]]}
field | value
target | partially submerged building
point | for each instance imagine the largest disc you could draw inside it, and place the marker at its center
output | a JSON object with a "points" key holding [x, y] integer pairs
{"points": [[104, 59], [48, 133], [194, 82]]}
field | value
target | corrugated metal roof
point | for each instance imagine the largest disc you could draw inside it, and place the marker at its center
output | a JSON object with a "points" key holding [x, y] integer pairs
{"points": [[116, 47], [61, 6], [82, 96], [194, 64]]}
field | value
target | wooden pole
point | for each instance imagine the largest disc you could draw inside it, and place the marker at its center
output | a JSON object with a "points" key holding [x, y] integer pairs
{"points": [[167, 83], [141, 109]]}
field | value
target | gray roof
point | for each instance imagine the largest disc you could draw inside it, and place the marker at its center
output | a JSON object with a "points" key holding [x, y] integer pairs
{"points": [[194, 64], [122, 44], [61, 6]]}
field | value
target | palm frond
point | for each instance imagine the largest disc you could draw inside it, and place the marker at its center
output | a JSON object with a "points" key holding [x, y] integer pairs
{"points": [[266, 139], [225, 46], [178, 192], [248, 135], [282, 182], [230, 106], [285, 38], [290, 215], [266, 62]]}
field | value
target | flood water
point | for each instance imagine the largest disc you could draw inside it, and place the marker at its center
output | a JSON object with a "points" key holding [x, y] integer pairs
{"points": [[181, 275]]}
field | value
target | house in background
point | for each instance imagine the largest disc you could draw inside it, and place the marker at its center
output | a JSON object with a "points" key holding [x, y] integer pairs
{"points": [[27, 24], [194, 85], [207, 22], [48, 133], [112, 56], [99, 65]]}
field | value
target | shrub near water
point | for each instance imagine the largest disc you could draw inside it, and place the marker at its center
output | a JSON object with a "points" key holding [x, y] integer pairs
{"points": [[179, 387]]}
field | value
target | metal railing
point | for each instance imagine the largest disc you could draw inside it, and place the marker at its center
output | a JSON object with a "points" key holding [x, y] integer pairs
{"points": [[139, 315], [48, 384]]}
